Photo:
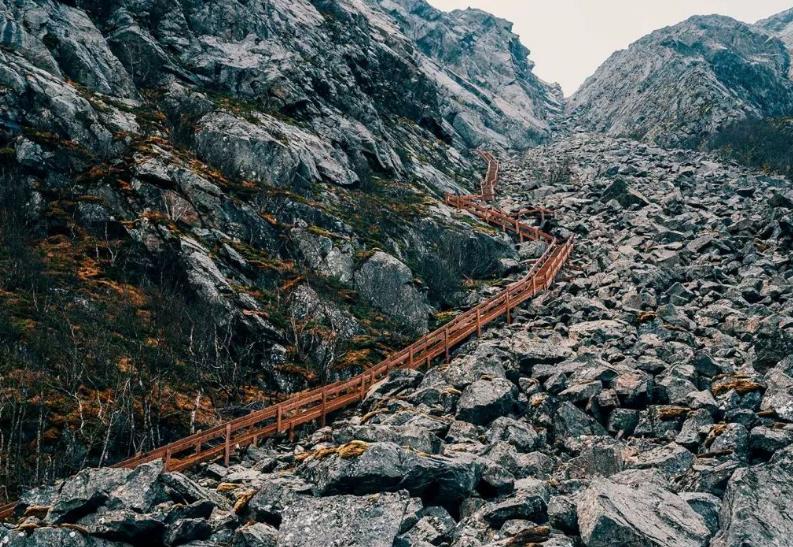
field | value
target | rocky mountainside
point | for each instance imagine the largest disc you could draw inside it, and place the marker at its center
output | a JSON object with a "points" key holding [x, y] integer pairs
{"points": [[781, 26], [205, 203], [681, 84], [645, 400], [490, 89]]}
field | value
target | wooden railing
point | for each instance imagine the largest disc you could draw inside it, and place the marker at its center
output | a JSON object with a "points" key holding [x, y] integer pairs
{"points": [[315, 405]]}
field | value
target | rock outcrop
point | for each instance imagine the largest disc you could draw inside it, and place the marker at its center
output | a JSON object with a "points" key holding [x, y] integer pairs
{"points": [[488, 98]]}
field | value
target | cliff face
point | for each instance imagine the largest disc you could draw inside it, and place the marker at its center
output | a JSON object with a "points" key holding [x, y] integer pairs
{"points": [[680, 84], [207, 201], [483, 71]]}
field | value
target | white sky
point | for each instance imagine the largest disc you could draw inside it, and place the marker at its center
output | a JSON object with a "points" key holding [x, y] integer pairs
{"points": [[569, 39]]}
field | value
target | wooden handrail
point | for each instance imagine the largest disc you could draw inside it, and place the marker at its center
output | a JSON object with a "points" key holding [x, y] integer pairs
{"points": [[316, 404]]}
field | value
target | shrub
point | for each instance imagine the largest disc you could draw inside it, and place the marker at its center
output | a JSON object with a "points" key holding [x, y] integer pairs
{"points": [[762, 143]]}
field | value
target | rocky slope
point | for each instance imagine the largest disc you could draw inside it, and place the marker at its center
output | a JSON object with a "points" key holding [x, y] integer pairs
{"points": [[490, 89], [204, 203], [679, 85], [644, 401]]}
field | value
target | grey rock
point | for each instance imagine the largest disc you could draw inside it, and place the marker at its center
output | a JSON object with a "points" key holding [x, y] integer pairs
{"points": [[766, 441], [779, 395], [275, 495], [387, 284], [672, 460], [570, 422], [188, 530], [486, 399], [256, 534], [348, 520], [562, 514], [434, 526], [734, 439], [388, 467], [611, 513], [624, 195], [754, 507], [689, 72], [48, 537], [706, 505], [694, 429], [519, 434], [527, 502]]}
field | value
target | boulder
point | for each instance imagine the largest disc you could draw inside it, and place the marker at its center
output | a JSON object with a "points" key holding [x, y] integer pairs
{"points": [[672, 460], [268, 503], [124, 525], [374, 520], [434, 527], [486, 399], [765, 441], [137, 490], [528, 502], [562, 514], [519, 434], [707, 505], [755, 507], [647, 515], [779, 395], [387, 467], [255, 534], [51, 537], [624, 195], [571, 422], [387, 284]]}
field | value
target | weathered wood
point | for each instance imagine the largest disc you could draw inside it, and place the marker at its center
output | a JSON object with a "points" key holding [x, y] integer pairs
{"points": [[227, 451]]}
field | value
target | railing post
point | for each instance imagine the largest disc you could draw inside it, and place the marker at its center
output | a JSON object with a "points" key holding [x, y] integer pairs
{"points": [[278, 417], [478, 322], [324, 406], [509, 317], [167, 459], [227, 449], [412, 356], [446, 344]]}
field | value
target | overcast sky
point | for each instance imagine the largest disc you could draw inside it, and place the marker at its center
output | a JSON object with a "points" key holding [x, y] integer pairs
{"points": [[569, 39]]}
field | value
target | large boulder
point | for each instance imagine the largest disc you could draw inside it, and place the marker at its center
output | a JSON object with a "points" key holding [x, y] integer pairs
{"points": [[648, 515], [374, 521], [756, 506], [387, 467], [136, 490], [486, 399], [387, 284], [779, 395]]}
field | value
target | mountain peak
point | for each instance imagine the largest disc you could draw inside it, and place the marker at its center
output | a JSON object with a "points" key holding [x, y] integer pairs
{"points": [[682, 83]]}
